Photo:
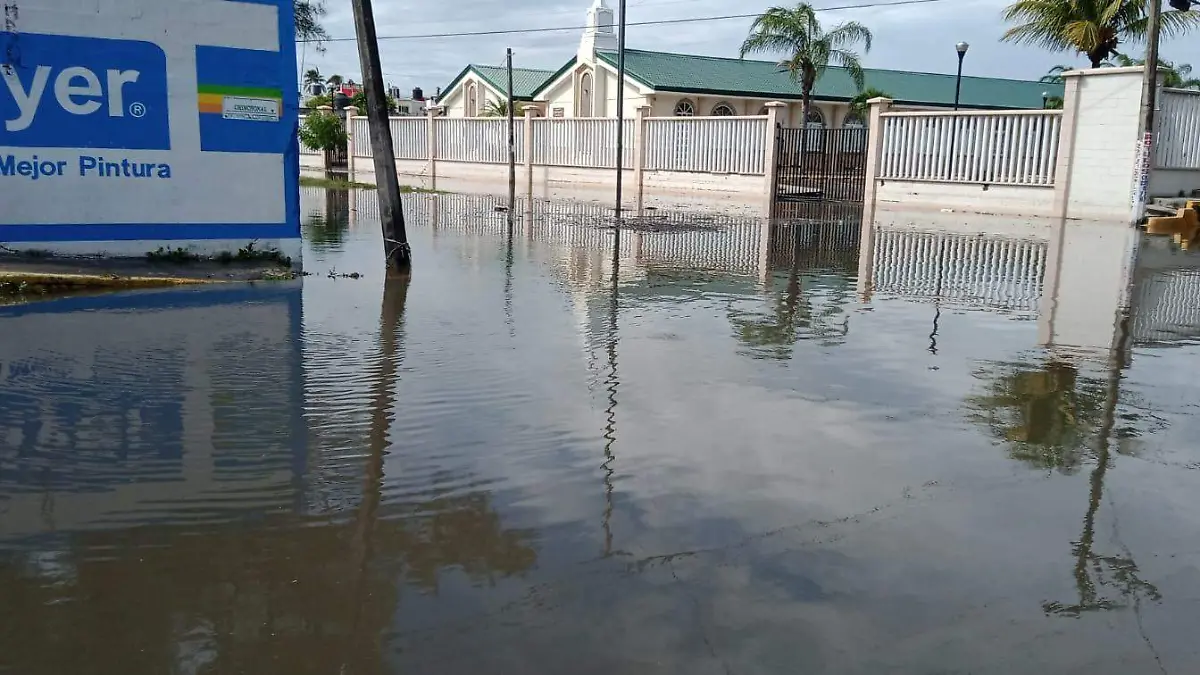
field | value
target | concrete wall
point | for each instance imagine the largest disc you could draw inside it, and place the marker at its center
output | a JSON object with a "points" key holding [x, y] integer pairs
{"points": [[1104, 147], [1174, 182], [1016, 200], [1094, 168]]}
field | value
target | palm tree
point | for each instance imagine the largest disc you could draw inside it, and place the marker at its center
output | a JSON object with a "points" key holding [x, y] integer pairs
{"points": [[313, 76], [499, 108], [308, 15], [335, 81], [1175, 77], [858, 104], [1091, 27], [809, 49]]}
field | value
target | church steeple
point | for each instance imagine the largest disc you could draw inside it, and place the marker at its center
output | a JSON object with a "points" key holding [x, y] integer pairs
{"points": [[598, 34]]}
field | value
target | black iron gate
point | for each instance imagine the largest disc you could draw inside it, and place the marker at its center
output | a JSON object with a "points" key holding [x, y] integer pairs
{"points": [[820, 164]]}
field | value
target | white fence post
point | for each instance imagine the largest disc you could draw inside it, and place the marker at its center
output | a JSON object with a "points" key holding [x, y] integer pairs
{"points": [[770, 159], [530, 113], [431, 142], [351, 141], [639, 154], [873, 161]]}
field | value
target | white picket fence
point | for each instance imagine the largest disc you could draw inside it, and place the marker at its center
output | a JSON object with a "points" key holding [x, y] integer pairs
{"points": [[581, 142], [730, 145], [1013, 148], [1178, 144], [706, 144]]}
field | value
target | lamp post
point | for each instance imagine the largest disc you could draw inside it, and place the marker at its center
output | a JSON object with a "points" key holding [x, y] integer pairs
{"points": [[1045, 99], [961, 48]]}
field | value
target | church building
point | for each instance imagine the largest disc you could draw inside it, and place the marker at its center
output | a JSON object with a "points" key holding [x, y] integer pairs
{"points": [[688, 85]]}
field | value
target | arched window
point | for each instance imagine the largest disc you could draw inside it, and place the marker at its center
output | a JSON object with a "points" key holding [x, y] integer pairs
{"points": [[585, 95], [472, 103], [685, 108], [723, 109], [815, 119], [853, 120]]}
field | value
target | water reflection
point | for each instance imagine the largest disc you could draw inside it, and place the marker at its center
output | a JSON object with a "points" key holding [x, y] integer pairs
{"points": [[327, 220], [699, 444]]}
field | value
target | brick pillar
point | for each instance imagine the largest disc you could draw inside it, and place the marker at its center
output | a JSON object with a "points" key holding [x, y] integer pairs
{"points": [[431, 116], [530, 113], [775, 110]]}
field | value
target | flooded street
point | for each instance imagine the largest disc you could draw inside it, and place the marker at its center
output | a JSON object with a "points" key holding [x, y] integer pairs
{"points": [[698, 449]]}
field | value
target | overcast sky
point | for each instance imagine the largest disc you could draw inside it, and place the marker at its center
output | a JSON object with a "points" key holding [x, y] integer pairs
{"points": [[916, 37]]}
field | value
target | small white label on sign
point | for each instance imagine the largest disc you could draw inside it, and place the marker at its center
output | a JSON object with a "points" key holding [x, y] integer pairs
{"points": [[250, 109]]}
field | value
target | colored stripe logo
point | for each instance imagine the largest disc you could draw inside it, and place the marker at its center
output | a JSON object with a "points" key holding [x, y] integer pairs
{"points": [[212, 98]]}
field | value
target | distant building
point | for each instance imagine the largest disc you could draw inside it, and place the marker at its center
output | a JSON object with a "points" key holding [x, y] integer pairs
{"points": [[688, 85]]}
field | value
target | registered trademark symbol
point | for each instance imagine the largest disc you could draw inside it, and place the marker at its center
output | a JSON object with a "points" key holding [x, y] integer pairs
{"points": [[137, 109]]}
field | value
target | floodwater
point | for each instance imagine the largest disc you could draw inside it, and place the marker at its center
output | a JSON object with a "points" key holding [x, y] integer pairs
{"points": [[697, 449]]}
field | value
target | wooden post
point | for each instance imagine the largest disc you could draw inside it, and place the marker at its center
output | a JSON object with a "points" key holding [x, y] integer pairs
{"points": [[639, 154], [351, 142], [391, 211], [874, 159]]}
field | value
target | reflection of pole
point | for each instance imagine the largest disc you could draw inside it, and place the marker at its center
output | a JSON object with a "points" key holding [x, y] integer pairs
{"points": [[395, 292], [610, 385], [1086, 561], [937, 297]]}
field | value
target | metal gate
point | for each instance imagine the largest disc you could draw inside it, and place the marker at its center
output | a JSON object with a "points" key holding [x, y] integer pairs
{"points": [[820, 164]]}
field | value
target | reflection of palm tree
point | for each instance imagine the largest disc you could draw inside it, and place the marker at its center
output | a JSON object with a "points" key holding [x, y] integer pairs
{"points": [[773, 335], [1045, 415], [1110, 571]]}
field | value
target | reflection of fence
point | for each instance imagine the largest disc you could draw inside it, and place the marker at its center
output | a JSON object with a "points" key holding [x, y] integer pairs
{"points": [[1166, 306], [1016, 148], [959, 269], [714, 242], [1178, 145]]}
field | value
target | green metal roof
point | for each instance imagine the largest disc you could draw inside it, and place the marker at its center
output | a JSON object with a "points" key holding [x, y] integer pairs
{"points": [[717, 76], [525, 80]]}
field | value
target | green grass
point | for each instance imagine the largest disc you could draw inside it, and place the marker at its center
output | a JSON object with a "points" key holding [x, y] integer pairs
{"points": [[340, 184]]}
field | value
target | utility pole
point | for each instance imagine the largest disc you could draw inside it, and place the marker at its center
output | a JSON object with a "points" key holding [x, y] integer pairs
{"points": [[512, 148], [1149, 93], [391, 211], [620, 108]]}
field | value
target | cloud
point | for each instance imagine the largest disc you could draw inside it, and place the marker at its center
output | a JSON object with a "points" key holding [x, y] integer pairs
{"points": [[913, 37]]}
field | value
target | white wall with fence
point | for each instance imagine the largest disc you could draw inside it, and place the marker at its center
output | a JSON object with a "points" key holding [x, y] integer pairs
{"points": [[1007, 148], [1178, 143], [731, 145]]}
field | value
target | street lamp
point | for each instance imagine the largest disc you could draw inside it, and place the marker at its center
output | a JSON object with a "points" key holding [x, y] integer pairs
{"points": [[961, 48], [1045, 99]]}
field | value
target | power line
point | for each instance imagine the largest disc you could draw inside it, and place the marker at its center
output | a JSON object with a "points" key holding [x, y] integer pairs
{"points": [[660, 22]]}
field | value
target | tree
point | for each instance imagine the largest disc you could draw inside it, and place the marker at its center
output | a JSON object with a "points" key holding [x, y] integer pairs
{"points": [[1177, 75], [335, 80], [1091, 27], [323, 131], [809, 49], [499, 108], [308, 15], [858, 104], [359, 100], [313, 76]]}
